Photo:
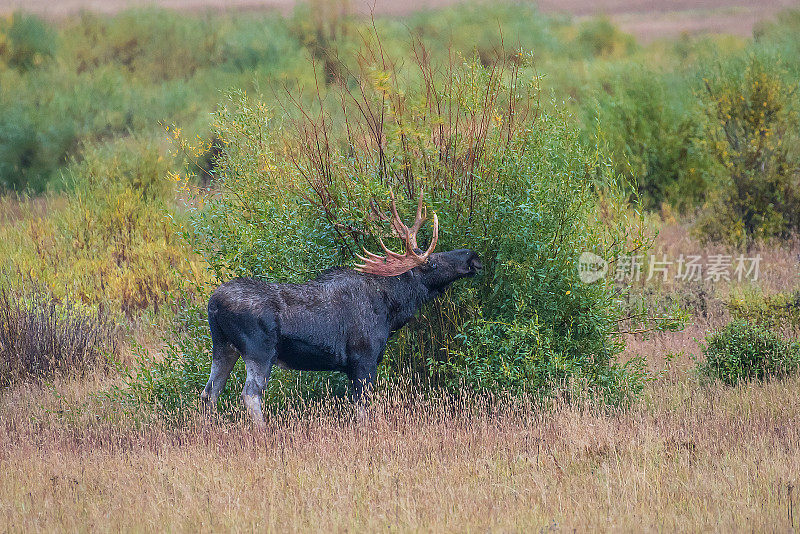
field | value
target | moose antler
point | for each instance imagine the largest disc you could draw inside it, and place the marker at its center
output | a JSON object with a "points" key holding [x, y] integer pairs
{"points": [[393, 264]]}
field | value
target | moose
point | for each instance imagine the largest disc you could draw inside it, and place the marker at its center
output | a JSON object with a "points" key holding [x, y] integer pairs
{"points": [[340, 321]]}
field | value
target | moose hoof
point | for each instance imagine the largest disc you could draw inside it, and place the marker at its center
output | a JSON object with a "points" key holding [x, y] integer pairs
{"points": [[206, 404], [253, 405], [362, 414]]}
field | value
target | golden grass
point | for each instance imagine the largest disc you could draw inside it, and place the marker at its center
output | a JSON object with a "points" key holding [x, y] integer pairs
{"points": [[689, 457]]}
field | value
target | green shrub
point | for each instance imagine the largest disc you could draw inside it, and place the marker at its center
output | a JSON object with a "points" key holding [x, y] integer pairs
{"points": [[600, 37], [652, 131], [261, 44], [111, 77], [27, 41], [508, 178], [150, 44], [743, 351], [753, 138], [28, 155], [780, 35], [493, 31], [322, 27], [779, 312], [46, 115]]}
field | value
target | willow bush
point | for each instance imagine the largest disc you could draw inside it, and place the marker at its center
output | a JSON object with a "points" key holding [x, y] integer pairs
{"points": [[508, 178], [653, 134]]}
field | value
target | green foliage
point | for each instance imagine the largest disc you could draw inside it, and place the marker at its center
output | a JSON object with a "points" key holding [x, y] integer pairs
{"points": [[26, 41], [780, 36], [322, 27], [494, 31], [743, 351], [114, 76], [146, 43], [779, 312], [262, 45], [112, 245], [599, 37], [95, 78], [526, 357], [641, 116], [712, 124], [753, 138], [29, 153]]}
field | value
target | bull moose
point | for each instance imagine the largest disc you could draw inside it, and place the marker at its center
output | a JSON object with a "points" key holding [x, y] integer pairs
{"points": [[341, 321]]}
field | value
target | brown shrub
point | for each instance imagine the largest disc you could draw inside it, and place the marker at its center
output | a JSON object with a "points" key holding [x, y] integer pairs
{"points": [[41, 335]]}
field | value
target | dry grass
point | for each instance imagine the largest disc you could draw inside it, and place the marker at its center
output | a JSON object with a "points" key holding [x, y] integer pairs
{"points": [[41, 336], [706, 300], [689, 457], [778, 269], [671, 353]]}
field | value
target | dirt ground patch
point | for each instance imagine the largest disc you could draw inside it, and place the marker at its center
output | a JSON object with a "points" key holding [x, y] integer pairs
{"points": [[645, 19]]}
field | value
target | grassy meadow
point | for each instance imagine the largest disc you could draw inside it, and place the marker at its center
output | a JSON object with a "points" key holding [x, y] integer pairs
{"points": [[149, 155]]}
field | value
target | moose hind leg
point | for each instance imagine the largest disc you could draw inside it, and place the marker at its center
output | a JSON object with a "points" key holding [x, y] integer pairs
{"points": [[223, 358]]}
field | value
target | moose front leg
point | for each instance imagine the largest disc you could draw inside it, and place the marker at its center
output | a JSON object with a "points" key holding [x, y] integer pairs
{"points": [[362, 373], [258, 371]]}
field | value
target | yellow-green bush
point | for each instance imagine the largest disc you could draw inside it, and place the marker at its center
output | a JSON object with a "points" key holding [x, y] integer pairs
{"points": [[113, 243], [599, 37], [779, 312], [753, 138]]}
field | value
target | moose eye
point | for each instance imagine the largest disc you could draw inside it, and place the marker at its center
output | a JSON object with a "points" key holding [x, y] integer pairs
{"points": [[429, 265]]}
